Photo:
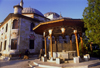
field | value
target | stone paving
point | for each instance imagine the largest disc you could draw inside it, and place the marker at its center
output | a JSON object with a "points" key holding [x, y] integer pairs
{"points": [[20, 63], [14, 64]]}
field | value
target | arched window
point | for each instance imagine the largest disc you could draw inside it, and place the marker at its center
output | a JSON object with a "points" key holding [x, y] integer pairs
{"points": [[5, 45], [32, 26], [1, 47], [15, 24], [6, 27]]}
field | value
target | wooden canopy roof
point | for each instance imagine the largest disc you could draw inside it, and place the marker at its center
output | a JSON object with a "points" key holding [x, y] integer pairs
{"points": [[39, 29]]}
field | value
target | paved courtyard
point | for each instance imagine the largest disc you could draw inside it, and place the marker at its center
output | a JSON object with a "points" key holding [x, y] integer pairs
{"points": [[14, 64], [20, 63]]}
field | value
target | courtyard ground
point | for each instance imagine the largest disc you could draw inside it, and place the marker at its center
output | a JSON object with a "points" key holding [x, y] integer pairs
{"points": [[20, 63]]}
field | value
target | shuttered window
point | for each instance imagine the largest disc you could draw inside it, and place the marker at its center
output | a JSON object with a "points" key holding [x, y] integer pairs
{"points": [[14, 44]]}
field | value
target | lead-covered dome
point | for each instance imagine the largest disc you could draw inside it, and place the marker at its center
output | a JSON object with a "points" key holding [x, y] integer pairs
{"points": [[31, 10], [49, 13]]}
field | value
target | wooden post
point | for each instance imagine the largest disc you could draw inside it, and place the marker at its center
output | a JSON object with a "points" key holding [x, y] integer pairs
{"points": [[81, 44], [81, 39], [45, 46], [77, 44], [51, 46]]}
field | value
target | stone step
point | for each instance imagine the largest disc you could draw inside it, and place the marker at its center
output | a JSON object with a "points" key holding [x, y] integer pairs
{"points": [[69, 64], [44, 65], [77, 67], [40, 67], [97, 66], [31, 64]]}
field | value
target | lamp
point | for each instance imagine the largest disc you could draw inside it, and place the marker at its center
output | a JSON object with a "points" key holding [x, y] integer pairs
{"points": [[63, 30], [75, 31], [43, 33], [50, 31]]}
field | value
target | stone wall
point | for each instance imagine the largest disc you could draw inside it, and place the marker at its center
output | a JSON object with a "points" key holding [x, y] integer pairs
{"points": [[24, 37]]}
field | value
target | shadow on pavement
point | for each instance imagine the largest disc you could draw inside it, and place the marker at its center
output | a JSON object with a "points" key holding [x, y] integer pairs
{"points": [[96, 64]]}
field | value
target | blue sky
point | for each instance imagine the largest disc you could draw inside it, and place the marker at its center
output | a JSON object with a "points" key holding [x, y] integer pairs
{"points": [[68, 8]]}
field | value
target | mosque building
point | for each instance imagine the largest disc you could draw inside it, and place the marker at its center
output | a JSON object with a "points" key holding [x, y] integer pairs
{"points": [[16, 30], [17, 33]]}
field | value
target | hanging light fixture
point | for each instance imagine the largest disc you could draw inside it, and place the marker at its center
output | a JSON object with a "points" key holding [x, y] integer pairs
{"points": [[75, 31], [44, 34], [63, 30], [50, 31]]}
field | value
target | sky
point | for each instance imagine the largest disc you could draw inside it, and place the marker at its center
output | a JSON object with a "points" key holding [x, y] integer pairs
{"points": [[67, 8]]}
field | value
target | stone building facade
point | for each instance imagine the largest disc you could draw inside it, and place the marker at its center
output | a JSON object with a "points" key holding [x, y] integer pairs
{"points": [[17, 33]]}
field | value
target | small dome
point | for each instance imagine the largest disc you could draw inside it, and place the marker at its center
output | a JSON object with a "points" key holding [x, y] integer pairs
{"points": [[49, 13], [32, 10]]}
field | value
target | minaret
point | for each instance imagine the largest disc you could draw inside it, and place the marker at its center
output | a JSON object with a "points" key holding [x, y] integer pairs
{"points": [[21, 3], [60, 15]]}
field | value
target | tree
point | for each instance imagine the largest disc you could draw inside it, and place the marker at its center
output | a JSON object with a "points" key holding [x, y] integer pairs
{"points": [[91, 17]]}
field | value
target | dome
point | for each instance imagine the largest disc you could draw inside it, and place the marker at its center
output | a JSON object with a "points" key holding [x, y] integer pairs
{"points": [[49, 13], [32, 10]]}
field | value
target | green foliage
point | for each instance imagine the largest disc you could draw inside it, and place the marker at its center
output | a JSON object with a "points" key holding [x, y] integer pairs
{"points": [[89, 52], [96, 53], [91, 17]]}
